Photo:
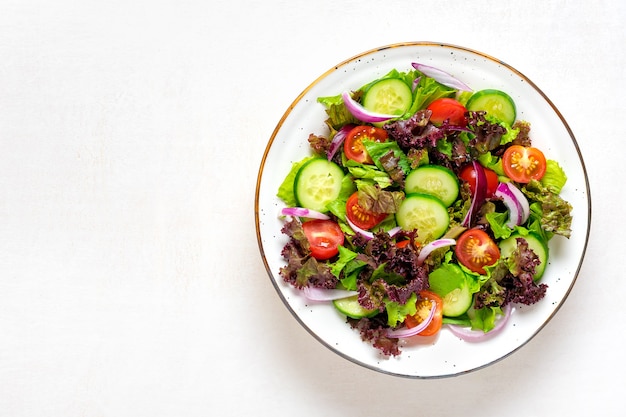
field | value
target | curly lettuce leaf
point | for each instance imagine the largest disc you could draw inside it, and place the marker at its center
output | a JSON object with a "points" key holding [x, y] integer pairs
{"points": [[396, 312], [556, 213], [337, 112], [554, 178], [511, 132], [377, 200]]}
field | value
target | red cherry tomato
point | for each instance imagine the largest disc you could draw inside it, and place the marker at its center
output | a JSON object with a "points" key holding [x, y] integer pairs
{"points": [[447, 109], [359, 216], [353, 144], [468, 174], [424, 304], [475, 250], [522, 164], [324, 237]]}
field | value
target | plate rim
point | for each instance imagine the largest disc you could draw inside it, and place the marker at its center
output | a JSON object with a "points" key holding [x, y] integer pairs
{"points": [[425, 44]]}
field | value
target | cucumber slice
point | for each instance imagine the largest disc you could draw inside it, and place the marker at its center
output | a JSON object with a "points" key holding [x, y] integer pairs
{"points": [[457, 302], [317, 183], [435, 180], [535, 243], [425, 213], [350, 307], [388, 96], [495, 102], [451, 284]]}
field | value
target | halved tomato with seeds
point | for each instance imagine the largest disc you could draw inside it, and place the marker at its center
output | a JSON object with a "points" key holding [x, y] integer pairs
{"points": [[522, 164], [362, 218], [353, 144], [424, 304], [475, 249]]}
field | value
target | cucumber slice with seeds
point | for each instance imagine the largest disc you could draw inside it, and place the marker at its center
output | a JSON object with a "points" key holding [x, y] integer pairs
{"points": [[350, 307], [317, 183], [496, 103], [435, 180], [388, 96], [425, 213]]}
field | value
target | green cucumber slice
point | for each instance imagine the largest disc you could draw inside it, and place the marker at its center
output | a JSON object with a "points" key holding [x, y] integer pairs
{"points": [[350, 307], [435, 180], [425, 213], [317, 183], [451, 284], [388, 96], [535, 243], [457, 301], [496, 103]]}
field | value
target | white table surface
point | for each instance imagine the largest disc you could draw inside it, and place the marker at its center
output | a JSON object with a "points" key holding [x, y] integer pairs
{"points": [[131, 133]]}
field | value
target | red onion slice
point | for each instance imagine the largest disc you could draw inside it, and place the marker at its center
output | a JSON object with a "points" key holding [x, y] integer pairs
{"points": [[338, 139], [435, 244], [362, 113], [441, 77], [394, 231], [325, 294], [303, 212], [357, 229], [370, 235], [470, 335], [480, 191], [406, 332], [515, 201]]}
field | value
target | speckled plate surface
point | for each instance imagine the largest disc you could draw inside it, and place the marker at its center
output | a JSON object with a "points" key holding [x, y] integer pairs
{"points": [[444, 355]]}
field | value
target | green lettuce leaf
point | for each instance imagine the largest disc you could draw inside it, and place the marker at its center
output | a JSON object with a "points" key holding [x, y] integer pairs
{"points": [[497, 222], [492, 162], [286, 189], [554, 179], [338, 205], [427, 91], [485, 318], [368, 172], [377, 200], [396, 312], [511, 132], [556, 213], [338, 113], [348, 264], [377, 150]]}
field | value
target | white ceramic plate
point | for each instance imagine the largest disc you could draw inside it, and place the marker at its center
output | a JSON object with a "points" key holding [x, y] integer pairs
{"points": [[444, 355]]}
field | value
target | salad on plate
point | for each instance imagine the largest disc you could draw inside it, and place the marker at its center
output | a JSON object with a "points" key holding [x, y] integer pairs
{"points": [[425, 206]]}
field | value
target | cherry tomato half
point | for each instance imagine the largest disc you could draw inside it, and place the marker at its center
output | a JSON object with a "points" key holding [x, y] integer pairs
{"points": [[522, 164], [447, 109], [353, 144], [475, 249], [359, 216], [468, 174], [324, 237], [424, 304]]}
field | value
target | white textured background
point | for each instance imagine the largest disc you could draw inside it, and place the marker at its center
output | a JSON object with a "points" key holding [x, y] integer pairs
{"points": [[131, 134]]}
